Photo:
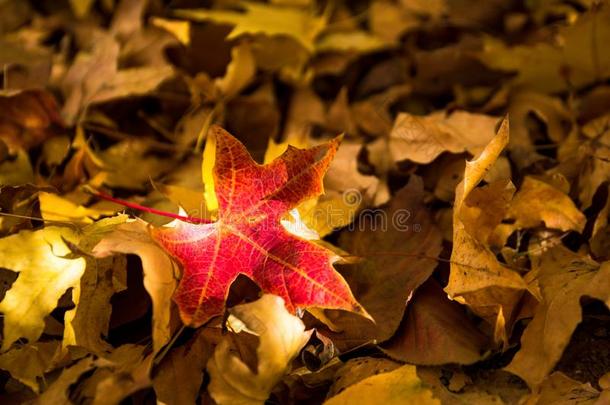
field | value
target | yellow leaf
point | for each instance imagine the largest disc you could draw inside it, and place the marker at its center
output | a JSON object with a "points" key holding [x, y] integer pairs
{"points": [[577, 58], [240, 71], [207, 170], [359, 41], [44, 276], [281, 335], [401, 386], [179, 29], [259, 18], [56, 208], [538, 202], [16, 172]]}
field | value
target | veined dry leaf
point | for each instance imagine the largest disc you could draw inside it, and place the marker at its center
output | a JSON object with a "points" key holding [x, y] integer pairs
{"points": [[248, 239], [564, 277], [95, 77], [44, 276], [397, 246], [259, 18], [436, 331], [401, 386], [281, 335], [422, 139], [159, 272]]}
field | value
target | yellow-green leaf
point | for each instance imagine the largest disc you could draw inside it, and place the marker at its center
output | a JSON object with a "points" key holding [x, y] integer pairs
{"points": [[44, 276]]}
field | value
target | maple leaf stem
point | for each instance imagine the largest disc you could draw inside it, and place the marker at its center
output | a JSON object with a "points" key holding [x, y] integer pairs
{"points": [[185, 218]]}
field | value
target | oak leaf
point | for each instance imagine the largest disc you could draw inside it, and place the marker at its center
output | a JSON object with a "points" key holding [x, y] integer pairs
{"points": [[248, 238]]}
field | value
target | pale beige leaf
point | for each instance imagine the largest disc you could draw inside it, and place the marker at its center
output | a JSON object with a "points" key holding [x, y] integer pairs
{"points": [[159, 272], [422, 139], [281, 335]]}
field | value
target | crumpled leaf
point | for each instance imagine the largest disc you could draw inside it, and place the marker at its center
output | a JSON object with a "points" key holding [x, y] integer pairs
{"points": [[159, 272], [401, 386], [281, 335], [45, 273], [564, 277], [422, 139], [476, 277], [58, 391], [248, 238], [258, 18], [537, 202], [28, 363]]}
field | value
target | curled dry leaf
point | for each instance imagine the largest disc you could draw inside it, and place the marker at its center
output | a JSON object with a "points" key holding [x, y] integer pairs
{"points": [[475, 270], [564, 277], [160, 272], [281, 336]]}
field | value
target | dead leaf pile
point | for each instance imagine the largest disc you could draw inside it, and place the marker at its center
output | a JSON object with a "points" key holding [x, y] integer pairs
{"points": [[305, 202]]}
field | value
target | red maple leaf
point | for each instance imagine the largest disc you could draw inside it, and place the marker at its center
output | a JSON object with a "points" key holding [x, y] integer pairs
{"points": [[248, 238]]}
